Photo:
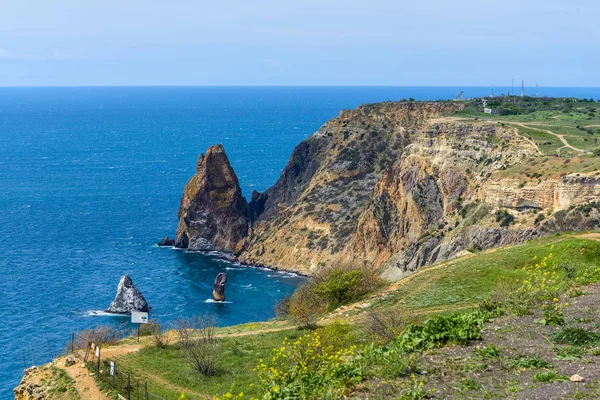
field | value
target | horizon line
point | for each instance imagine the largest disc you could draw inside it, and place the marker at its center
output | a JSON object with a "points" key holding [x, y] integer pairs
{"points": [[283, 86]]}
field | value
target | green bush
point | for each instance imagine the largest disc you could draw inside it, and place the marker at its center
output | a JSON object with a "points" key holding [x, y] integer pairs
{"points": [[341, 285], [490, 350], [440, 331], [504, 218], [306, 306]]}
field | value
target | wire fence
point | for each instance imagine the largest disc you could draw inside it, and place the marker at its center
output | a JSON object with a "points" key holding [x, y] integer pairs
{"points": [[122, 382], [107, 372]]}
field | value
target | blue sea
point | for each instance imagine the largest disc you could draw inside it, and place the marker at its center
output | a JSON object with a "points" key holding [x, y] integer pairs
{"points": [[90, 181]]}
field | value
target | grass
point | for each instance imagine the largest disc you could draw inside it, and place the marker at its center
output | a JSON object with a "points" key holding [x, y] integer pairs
{"points": [[238, 357], [453, 287], [576, 336], [551, 167], [437, 290], [549, 376], [569, 353], [527, 362]]}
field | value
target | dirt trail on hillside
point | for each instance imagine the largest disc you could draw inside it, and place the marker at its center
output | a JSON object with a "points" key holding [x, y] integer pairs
{"points": [[559, 136], [84, 383], [590, 235]]}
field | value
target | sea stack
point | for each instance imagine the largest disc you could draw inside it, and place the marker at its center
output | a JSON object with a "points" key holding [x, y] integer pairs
{"points": [[213, 213], [128, 298], [219, 287]]}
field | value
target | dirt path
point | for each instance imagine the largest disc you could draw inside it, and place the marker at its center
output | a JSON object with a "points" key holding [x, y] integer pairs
{"points": [[590, 235], [84, 382], [536, 126]]}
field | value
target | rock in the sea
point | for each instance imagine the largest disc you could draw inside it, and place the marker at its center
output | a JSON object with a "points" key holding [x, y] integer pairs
{"points": [[213, 214], [167, 242], [219, 287], [128, 298]]}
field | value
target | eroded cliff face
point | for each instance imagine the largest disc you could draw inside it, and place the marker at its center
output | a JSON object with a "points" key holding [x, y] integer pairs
{"points": [[551, 193], [393, 186]]}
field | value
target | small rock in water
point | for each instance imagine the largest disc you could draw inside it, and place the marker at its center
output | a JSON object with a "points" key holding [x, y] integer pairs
{"points": [[128, 298], [219, 287], [577, 378], [167, 242]]}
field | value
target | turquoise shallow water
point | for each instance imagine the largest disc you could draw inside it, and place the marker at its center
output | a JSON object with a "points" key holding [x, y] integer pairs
{"points": [[90, 180]]}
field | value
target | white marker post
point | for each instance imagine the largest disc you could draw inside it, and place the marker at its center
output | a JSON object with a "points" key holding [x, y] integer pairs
{"points": [[139, 317]]}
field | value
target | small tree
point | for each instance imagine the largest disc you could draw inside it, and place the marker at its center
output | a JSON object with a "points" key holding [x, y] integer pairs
{"points": [[339, 285], [306, 306], [160, 336], [199, 344]]}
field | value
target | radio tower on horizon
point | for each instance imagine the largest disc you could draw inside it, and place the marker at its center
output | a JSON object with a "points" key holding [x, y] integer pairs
{"points": [[522, 88]]}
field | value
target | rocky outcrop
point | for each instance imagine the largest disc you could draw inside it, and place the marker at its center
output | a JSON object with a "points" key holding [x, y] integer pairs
{"points": [[46, 382], [128, 298], [213, 214], [167, 242], [393, 185], [219, 287], [549, 193]]}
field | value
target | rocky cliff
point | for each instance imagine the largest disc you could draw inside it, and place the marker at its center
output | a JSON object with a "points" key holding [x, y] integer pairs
{"points": [[393, 185]]}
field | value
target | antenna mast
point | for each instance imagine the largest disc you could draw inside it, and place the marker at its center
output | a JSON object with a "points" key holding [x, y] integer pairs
{"points": [[522, 88]]}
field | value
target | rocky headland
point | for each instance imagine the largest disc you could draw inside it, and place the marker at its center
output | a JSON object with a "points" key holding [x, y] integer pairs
{"points": [[393, 186]]}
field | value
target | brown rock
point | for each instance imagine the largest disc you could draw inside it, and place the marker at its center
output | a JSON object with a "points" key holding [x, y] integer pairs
{"points": [[213, 214]]}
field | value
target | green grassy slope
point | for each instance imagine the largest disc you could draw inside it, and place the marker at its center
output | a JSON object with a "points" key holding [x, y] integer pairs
{"points": [[440, 289]]}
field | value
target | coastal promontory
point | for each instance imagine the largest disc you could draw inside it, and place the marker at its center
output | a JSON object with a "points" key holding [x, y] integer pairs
{"points": [[393, 186]]}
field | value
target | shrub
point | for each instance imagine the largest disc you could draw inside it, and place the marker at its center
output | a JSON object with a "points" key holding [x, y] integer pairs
{"points": [[282, 307], [199, 344], [306, 306], [504, 218], [553, 314], [341, 285], [338, 335], [488, 351], [384, 325], [307, 369], [439, 331], [415, 391], [100, 335], [575, 335]]}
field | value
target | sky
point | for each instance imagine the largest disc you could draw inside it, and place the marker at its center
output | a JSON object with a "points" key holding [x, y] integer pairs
{"points": [[308, 42]]}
